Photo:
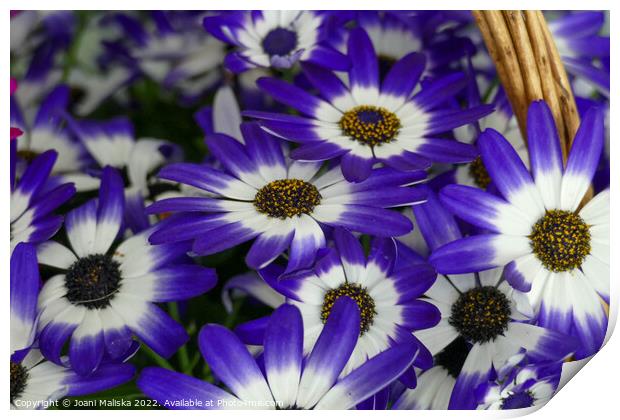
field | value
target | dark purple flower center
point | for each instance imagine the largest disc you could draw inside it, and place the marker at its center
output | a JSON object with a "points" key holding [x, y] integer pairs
{"points": [[92, 281], [280, 42], [362, 298], [521, 399], [370, 125], [560, 240], [286, 198], [370, 116], [481, 314], [453, 356], [19, 379]]}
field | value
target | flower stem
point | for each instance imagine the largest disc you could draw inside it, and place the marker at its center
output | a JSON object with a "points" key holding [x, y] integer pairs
{"points": [[232, 316], [157, 358], [186, 366]]}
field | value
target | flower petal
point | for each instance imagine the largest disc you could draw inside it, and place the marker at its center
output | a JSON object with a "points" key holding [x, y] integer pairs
{"points": [[283, 353], [583, 159], [233, 364], [330, 353], [545, 153], [369, 378], [165, 386]]}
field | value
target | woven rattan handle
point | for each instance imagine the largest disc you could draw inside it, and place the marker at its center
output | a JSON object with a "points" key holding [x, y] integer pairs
{"points": [[530, 68]]}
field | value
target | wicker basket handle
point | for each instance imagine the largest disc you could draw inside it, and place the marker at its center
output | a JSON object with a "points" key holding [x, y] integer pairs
{"points": [[530, 68]]}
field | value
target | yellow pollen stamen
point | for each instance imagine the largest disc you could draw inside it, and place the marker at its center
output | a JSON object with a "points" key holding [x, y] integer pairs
{"points": [[481, 314], [360, 295], [561, 240], [370, 125], [479, 173], [286, 198]]}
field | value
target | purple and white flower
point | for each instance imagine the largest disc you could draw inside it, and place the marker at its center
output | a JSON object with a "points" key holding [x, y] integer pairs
{"points": [[283, 204], [34, 198], [388, 299], [392, 36], [112, 143], [484, 322], [556, 251], [520, 385], [274, 39], [35, 382], [171, 48], [291, 379], [367, 120], [107, 293], [44, 131]]}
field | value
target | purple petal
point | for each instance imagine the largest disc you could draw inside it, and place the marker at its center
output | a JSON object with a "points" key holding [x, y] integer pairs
{"points": [[382, 254], [406, 161], [467, 255], [356, 168], [253, 332], [441, 122], [203, 177], [545, 152], [264, 150], [186, 204], [237, 63], [298, 133], [111, 208], [180, 282], [349, 248], [404, 75], [231, 362], [419, 315], [330, 86], [308, 238], [223, 237], [316, 151], [578, 24], [50, 110], [583, 159], [439, 90], [474, 206], [411, 282], [436, 224], [370, 220], [106, 377], [231, 154], [52, 339], [86, 352], [504, 165], [159, 331], [34, 178], [370, 378], [283, 353], [184, 226], [331, 352], [267, 247], [329, 58], [24, 292], [290, 95], [475, 371], [446, 151], [165, 386], [364, 71]]}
